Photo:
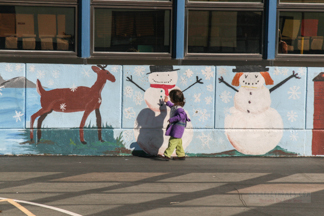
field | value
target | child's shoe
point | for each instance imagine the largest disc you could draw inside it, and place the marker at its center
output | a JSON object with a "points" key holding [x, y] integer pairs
{"points": [[162, 157]]}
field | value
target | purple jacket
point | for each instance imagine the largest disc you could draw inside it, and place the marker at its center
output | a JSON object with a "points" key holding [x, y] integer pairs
{"points": [[177, 123]]}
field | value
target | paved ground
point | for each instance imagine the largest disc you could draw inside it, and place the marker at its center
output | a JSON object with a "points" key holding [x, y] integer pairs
{"points": [[142, 186]]}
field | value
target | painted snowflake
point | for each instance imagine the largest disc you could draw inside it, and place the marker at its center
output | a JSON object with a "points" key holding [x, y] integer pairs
{"points": [[292, 116], [301, 71], [222, 71], [226, 96], [196, 112], [129, 113], [99, 100], [50, 82], [73, 88], [40, 74], [197, 97], [208, 73], [203, 115], [189, 73], [8, 68], [143, 79], [227, 111], [139, 71], [183, 80], [138, 98], [210, 88], [19, 67], [18, 115], [208, 99], [55, 74], [285, 71], [205, 139], [293, 135], [32, 68], [128, 91], [86, 73], [63, 107], [276, 71], [114, 69], [127, 73], [294, 94]]}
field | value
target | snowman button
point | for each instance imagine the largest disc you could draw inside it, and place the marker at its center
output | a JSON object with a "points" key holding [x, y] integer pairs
{"points": [[249, 102], [250, 93], [248, 111]]}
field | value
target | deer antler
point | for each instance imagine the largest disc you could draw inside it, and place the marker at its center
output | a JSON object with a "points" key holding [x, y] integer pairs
{"points": [[102, 66]]}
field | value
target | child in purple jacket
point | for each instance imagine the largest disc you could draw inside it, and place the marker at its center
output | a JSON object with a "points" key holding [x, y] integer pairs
{"points": [[177, 124]]}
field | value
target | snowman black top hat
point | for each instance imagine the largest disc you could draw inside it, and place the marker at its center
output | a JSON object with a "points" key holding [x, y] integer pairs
{"points": [[250, 68], [161, 68]]}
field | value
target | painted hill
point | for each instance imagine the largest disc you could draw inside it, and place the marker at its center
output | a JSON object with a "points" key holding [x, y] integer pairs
{"points": [[17, 82]]}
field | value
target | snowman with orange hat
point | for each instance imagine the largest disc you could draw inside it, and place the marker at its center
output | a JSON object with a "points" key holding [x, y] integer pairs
{"points": [[252, 111]]}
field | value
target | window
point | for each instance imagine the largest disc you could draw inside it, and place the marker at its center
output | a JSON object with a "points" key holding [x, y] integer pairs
{"points": [[137, 27], [37, 28], [301, 27], [218, 27]]}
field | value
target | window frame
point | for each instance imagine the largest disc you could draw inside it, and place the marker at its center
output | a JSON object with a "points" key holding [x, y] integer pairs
{"points": [[224, 6], [113, 4], [296, 7], [44, 53]]}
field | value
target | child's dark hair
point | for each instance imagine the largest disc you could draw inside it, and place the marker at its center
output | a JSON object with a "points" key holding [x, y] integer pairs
{"points": [[177, 97]]}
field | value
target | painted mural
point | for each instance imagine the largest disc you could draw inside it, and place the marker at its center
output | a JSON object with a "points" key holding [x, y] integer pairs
{"points": [[119, 110], [74, 99], [315, 81], [252, 110], [151, 123]]}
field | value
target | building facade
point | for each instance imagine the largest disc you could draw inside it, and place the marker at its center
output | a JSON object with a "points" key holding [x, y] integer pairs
{"points": [[89, 77]]}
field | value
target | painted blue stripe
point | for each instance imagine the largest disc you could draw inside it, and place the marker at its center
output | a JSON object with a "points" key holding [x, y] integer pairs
{"points": [[179, 29], [84, 26], [270, 28]]}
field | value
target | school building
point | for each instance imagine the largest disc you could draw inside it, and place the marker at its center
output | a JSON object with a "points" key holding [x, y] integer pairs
{"points": [[88, 77]]}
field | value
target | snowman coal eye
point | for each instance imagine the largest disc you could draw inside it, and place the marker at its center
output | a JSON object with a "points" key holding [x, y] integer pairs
{"points": [[256, 76], [157, 74]]}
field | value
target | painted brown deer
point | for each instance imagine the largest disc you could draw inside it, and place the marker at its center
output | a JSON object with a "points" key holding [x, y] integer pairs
{"points": [[72, 100]]}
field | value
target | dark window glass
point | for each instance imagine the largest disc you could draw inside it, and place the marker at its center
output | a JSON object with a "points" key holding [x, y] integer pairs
{"points": [[228, 0], [224, 32], [37, 28], [126, 30], [301, 33]]}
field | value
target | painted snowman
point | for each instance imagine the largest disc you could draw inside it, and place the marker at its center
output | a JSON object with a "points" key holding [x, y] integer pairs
{"points": [[151, 122], [252, 111]]}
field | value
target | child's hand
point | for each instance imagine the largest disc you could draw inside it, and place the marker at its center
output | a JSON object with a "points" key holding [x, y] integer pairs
{"points": [[166, 99]]}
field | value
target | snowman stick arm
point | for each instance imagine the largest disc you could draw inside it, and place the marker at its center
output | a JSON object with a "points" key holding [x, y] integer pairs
{"points": [[131, 80], [221, 80], [197, 81], [285, 80]]}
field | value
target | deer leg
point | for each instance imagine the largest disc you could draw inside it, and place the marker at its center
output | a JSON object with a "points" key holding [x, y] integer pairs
{"points": [[32, 120], [84, 118], [39, 125], [98, 115]]}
